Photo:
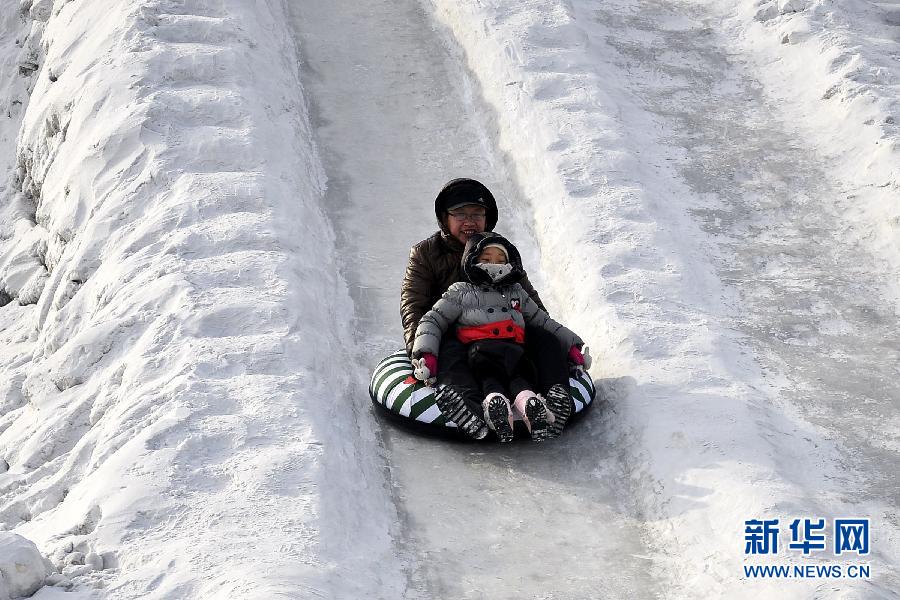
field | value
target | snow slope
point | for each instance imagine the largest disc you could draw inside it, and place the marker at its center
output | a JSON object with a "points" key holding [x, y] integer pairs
{"points": [[168, 382], [205, 210]]}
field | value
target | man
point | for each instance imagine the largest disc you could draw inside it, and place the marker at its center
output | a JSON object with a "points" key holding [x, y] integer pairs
{"points": [[465, 207]]}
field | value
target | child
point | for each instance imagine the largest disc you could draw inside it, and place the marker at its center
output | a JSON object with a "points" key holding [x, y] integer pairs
{"points": [[490, 312]]}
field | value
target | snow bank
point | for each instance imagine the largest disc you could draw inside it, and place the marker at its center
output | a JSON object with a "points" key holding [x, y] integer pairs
{"points": [[169, 411], [831, 69], [22, 567]]}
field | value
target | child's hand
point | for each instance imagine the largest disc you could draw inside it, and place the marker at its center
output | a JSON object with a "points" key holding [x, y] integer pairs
{"points": [[425, 368], [579, 358]]}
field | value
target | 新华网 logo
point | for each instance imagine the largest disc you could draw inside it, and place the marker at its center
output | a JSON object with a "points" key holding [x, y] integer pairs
{"points": [[807, 536]]}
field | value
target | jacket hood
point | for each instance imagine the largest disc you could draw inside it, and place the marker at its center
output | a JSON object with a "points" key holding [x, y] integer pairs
{"points": [[465, 190], [473, 250]]}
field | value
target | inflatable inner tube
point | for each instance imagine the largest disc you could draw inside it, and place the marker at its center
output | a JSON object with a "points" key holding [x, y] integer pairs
{"points": [[395, 392]]}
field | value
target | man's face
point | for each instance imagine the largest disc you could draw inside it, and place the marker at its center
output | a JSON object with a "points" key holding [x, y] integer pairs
{"points": [[464, 221]]}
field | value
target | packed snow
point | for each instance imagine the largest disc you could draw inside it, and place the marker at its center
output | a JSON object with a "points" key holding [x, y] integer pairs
{"points": [[205, 212], [23, 570]]}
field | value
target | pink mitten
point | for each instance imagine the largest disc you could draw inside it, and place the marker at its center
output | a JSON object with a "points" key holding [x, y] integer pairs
{"points": [[575, 356], [425, 367], [431, 363]]}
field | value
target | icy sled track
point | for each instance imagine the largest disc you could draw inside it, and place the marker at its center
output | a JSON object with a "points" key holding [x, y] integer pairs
{"points": [[396, 115]]}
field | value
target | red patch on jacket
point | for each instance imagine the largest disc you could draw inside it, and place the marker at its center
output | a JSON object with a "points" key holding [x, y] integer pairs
{"points": [[515, 304], [501, 330]]}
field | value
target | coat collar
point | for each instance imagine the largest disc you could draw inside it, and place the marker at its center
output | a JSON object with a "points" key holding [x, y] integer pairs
{"points": [[452, 244]]}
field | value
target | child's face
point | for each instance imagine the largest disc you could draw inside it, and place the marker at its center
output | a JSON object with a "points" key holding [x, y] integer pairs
{"points": [[492, 255]]}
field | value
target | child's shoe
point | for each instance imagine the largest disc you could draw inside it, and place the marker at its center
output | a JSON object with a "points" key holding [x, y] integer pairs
{"points": [[453, 406], [559, 402], [535, 414], [499, 416]]}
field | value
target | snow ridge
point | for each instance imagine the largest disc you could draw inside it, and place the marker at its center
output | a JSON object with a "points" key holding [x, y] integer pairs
{"points": [[167, 361], [21, 30]]}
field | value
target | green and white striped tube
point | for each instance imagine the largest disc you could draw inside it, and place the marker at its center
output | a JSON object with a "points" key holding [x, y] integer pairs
{"points": [[393, 387]]}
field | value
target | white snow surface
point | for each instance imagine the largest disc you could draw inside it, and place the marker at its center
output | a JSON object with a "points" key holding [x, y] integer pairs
{"points": [[205, 211], [831, 67]]}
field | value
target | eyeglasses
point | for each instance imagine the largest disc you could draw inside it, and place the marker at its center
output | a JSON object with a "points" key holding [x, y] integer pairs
{"points": [[463, 217]]}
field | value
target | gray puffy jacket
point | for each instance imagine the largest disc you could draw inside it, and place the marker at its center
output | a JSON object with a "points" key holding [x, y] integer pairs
{"points": [[485, 312]]}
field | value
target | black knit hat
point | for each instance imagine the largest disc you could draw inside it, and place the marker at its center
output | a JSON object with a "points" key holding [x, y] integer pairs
{"points": [[463, 191]]}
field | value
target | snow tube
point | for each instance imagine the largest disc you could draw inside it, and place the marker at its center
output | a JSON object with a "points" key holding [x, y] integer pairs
{"points": [[407, 400]]}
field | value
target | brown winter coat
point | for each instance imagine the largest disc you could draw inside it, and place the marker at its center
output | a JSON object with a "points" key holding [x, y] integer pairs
{"points": [[434, 265]]}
